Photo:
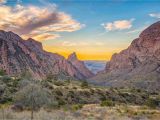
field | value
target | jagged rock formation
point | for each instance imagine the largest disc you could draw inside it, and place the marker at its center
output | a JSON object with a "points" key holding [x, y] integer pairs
{"points": [[18, 55], [80, 65], [138, 65]]}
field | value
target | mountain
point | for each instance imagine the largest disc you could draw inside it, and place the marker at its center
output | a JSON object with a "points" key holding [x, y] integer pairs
{"points": [[79, 65], [95, 66], [18, 56], [136, 66]]}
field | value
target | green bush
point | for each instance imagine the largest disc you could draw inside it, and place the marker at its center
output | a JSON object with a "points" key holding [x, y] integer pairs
{"points": [[108, 103], [59, 83], [152, 103], [61, 102], [77, 107], [58, 92], [84, 84], [2, 72], [6, 79]]}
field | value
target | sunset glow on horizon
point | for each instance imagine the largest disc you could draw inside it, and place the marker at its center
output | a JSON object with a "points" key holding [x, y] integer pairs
{"points": [[95, 30]]}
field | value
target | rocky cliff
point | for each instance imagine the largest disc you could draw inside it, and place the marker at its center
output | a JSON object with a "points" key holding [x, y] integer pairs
{"points": [[80, 65], [138, 65], [18, 55]]}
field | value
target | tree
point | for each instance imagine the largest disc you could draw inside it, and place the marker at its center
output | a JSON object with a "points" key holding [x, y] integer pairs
{"points": [[33, 96]]}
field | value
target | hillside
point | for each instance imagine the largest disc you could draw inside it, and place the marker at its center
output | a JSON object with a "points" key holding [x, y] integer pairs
{"points": [[137, 66], [18, 56], [73, 100]]}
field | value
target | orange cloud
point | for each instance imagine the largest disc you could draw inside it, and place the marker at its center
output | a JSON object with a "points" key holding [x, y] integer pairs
{"points": [[118, 25], [2, 1], [45, 36], [32, 21]]}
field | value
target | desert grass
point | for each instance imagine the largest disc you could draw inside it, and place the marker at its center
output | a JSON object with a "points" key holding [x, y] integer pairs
{"points": [[88, 112]]}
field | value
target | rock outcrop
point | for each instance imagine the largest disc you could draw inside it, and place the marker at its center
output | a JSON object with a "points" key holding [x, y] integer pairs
{"points": [[80, 65], [138, 65], [18, 55]]}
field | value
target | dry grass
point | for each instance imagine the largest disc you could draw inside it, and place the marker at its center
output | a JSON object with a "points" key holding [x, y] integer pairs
{"points": [[88, 112]]}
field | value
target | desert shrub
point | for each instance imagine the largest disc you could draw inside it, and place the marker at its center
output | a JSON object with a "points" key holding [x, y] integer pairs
{"points": [[68, 81], [108, 103], [85, 93], [33, 96], [103, 98], [6, 79], [59, 83], [152, 103], [77, 107], [49, 78], [58, 92], [71, 94], [84, 84], [2, 72], [61, 102], [75, 88], [66, 87], [52, 105]]}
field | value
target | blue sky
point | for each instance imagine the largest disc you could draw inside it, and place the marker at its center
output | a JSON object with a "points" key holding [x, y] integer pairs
{"points": [[104, 26]]}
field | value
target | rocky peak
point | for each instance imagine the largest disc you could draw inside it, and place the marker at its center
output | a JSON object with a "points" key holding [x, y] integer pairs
{"points": [[18, 55], [10, 36], [72, 57], [33, 44], [150, 36], [151, 31], [79, 65], [138, 65], [146, 47]]}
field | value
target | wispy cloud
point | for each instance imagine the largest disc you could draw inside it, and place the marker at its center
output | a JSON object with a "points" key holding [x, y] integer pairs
{"points": [[37, 22], [68, 44], [118, 25], [155, 15], [140, 29], [72, 44]]}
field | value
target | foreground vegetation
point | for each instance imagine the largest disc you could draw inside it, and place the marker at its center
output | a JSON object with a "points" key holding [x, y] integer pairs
{"points": [[60, 97]]}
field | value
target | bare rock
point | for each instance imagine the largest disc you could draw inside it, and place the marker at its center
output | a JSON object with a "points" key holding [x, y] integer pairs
{"points": [[138, 65], [18, 55], [80, 65]]}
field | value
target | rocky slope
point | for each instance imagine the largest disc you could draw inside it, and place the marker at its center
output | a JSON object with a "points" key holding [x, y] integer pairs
{"points": [[79, 65], [138, 65], [18, 55]]}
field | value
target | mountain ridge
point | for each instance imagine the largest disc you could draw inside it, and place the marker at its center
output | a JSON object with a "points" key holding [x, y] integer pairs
{"points": [[18, 55], [136, 66]]}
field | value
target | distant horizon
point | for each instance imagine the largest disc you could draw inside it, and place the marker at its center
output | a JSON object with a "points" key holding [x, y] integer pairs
{"points": [[95, 30]]}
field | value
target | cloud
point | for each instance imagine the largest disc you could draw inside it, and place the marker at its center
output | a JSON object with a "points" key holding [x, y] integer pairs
{"points": [[36, 22], [68, 44], [155, 15], [83, 44], [118, 25], [3, 1], [43, 36]]}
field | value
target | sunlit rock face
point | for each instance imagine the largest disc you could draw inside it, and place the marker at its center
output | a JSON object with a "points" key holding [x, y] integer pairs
{"points": [[18, 55], [138, 65], [142, 50], [80, 65]]}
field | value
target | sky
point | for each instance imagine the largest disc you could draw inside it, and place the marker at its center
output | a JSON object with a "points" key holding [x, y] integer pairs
{"points": [[94, 29]]}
